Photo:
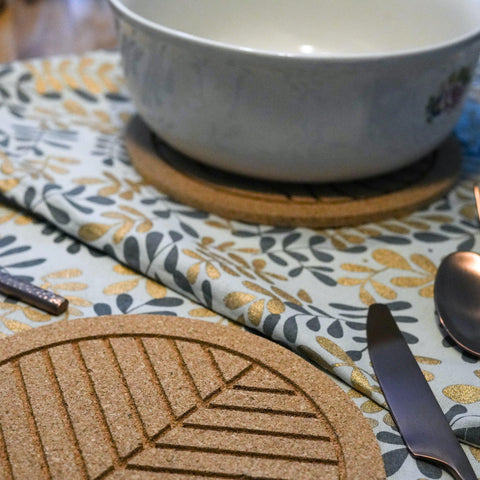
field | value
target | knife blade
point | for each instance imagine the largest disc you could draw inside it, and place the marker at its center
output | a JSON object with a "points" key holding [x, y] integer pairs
{"points": [[414, 408]]}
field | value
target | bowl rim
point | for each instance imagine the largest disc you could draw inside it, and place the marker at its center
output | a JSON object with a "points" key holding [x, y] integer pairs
{"points": [[150, 26]]}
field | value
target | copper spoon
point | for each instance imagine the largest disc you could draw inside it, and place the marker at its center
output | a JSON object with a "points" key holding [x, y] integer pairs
{"points": [[457, 293]]}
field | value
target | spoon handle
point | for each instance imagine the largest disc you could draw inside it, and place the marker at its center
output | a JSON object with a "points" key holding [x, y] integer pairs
{"points": [[476, 192], [33, 295]]}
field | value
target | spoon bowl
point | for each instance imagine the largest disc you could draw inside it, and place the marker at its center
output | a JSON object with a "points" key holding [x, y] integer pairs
{"points": [[457, 299]]}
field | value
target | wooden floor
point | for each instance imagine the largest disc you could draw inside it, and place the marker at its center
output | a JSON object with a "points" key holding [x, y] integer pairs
{"points": [[33, 28]]}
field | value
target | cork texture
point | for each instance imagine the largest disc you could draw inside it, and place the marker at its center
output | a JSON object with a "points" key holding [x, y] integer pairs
{"points": [[154, 397], [292, 204]]}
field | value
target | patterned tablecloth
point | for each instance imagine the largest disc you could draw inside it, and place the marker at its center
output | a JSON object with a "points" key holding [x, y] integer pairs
{"points": [[77, 218]]}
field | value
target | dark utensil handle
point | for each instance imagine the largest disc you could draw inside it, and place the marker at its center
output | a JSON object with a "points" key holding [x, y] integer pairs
{"points": [[33, 295]]}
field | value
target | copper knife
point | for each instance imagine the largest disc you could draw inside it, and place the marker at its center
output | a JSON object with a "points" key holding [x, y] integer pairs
{"points": [[419, 418]]}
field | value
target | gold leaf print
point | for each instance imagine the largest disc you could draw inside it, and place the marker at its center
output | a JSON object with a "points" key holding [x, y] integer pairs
{"points": [[338, 244], [365, 297], [371, 407], [424, 263], [259, 267], [155, 290], [256, 288], [39, 80], [303, 295], [131, 210], [427, 292], [122, 270], [390, 259], [212, 271], [223, 246], [66, 76], [236, 300], [373, 424], [57, 169], [90, 84], [395, 228], [87, 181], [127, 224], [286, 296], [74, 107], [439, 218], [351, 267], [350, 282], [67, 160], [334, 350], [78, 301], [275, 306], [93, 231], [121, 287], [192, 254], [193, 272], [201, 313], [72, 286], [47, 73], [427, 360], [369, 231], [360, 381], [417, 224], [383, 290], [102, 116], [109, 190], [22, 220], [67, 273], [315, 357], [465, 394], [469, 211], [409, 281], [205, 241], [352, 238], [36, 315], [475, 452], [217, 224], [145, 225], [429, 376], [6, 164], [16, 326], [255, 311], [352, 393], [103, 72], [259, 263], [121, 232], [44, 81], [8, 184], [388, 420]]}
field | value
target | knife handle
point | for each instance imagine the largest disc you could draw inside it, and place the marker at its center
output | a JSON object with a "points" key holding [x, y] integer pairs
{"points": [[38, 297]]}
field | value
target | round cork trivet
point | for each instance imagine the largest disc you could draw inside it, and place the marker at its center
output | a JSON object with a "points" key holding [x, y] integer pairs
{"points": [[150, 397], [288, 204]]}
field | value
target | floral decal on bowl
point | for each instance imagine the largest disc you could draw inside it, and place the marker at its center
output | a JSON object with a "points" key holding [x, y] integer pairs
{"points": [[450, 94]]}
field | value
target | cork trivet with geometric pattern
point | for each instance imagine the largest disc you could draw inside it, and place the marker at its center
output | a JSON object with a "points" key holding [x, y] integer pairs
{"points": [[156, 397], [292, 204]]}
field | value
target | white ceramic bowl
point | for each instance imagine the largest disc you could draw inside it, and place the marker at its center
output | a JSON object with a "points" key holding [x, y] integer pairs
{"points": [[304, 90]]}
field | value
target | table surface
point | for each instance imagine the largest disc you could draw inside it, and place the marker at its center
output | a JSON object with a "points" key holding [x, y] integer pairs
{"points": [[37, 28]]}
